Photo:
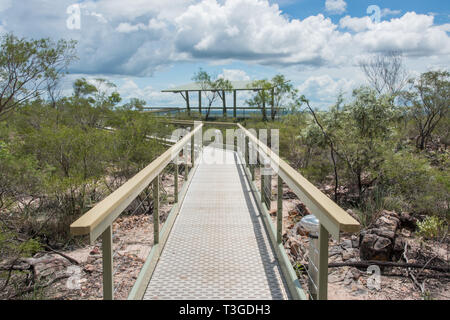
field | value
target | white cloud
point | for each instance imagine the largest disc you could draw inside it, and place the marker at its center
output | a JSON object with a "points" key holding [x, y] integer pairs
{"points": [[234, 75], [256, 31], [413, 34], [5, 5], [335, 6], [153, 24], [139, 37], [99, 17], [323, 89], [130, 89], [2, 27], [355, 24], [388, 12]]}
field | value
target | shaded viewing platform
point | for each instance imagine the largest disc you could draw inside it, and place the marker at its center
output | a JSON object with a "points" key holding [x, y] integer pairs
{"points": [[234, 111]]}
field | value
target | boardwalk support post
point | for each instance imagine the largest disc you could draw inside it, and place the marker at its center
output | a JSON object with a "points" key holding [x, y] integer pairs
{"points": [[234, 104], [323, 263], [280, 210], [192, 151], [252, 165], [156, 210], [261, 171], [107, 256], [186, 166], [224, 102], [187, 103], [200, 103], [176, 182], [247, 151]]}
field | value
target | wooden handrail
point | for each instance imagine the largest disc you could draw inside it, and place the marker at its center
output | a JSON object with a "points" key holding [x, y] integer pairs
{"points": [[333, 217], [100, 217], [98, 221], [191, 122]]}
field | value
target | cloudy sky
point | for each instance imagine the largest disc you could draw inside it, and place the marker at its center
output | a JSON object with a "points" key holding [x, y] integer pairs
{"points": [[144, 46]]}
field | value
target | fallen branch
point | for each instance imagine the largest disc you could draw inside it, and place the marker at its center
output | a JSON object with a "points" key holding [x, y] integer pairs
{"points": [[33, 288], [74, 261], [431, 276], [365, 264], [411, 273]]}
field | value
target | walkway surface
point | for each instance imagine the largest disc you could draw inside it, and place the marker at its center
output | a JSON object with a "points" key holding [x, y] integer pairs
{"points": [[218, 247]]}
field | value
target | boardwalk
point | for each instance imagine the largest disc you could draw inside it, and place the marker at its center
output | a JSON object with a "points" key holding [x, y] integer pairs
{"points": [[218, 247]]}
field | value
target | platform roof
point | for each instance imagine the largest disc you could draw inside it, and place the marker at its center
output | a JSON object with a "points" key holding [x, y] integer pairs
{"points": [[195, 86]]}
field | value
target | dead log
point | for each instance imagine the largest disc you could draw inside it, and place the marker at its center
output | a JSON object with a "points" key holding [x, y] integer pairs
{"points": [[33, 288], [72, 260], [365, 264]]}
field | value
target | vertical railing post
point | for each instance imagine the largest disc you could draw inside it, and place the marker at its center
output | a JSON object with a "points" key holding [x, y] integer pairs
{"points": [[192, 151], [247, 151], [176, 181], [252, 165], [280, 210], [261, 170], [323, 263], [224, 139], [107, 256], [156, 210], [186, 166]]}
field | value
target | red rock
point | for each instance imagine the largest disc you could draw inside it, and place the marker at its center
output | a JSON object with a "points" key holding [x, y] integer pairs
{"points": [[96, 250], [89, 268]]}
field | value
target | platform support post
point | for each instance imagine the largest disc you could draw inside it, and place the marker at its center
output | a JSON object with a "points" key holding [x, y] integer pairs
{"points": [[176, 182], [323, 263], [280, 210], [156, 210], [107, 257]]}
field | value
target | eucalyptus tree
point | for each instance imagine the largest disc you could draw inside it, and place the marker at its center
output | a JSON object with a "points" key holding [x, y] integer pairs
{"points": [[278, 92], [429, 103], [29, 68], [385, 72], [359, 134], [261, 99], [212, 87]]}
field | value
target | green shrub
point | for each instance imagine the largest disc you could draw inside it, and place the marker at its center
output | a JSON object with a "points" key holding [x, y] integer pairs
{"points": [[431, 227], [410, 177]]}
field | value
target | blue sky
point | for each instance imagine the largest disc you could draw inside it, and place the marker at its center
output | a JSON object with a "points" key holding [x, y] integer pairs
{"points": [[144, 46]]}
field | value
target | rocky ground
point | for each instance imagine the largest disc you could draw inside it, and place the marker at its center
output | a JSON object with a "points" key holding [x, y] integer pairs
{"points": [[391, 237], [77, 273], [80, 276]]}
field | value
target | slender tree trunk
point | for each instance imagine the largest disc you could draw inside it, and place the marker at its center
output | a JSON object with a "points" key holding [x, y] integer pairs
{"points": [[336, 177]]}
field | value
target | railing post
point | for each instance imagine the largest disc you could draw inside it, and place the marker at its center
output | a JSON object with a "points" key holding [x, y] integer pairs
{"points": [[107, 257], [247, 153], [280, 210], [252, 166], [192, 151], [261, 170], [323, 264], [156, 210], [186, 167], [176, 181]]}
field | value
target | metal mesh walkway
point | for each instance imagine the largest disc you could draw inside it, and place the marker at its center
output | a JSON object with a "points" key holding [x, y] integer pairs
{"points": [[218, 247]]}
